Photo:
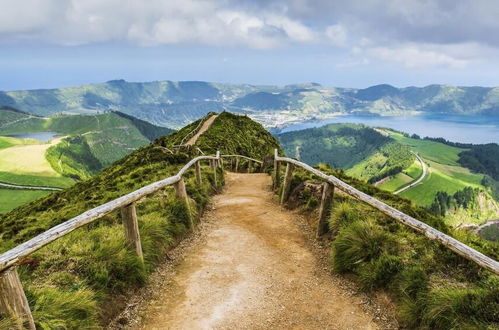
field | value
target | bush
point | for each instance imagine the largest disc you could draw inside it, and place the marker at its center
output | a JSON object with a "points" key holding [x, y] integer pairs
{"points": [[379, 273], [343, 214], [360, 242]]}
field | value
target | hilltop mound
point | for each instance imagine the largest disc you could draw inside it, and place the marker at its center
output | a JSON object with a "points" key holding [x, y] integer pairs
{"points": [[69, 281]]}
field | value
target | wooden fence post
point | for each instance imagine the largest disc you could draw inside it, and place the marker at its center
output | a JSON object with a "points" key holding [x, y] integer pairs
{"points": [[215, 169], [13, 302], [199, 179], [277, 171], [287, 182], [181, 194], [249, 166], [325, 208], [131, 225], [237, 164]]}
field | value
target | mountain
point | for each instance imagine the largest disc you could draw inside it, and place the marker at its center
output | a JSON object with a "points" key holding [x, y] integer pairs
{"points": [[174, 104]]}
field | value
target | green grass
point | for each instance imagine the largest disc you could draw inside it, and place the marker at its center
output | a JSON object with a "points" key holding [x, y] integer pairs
{"points": [[397, 181], [430, 286], [12, 198], [7, 142], [424, 193], [36, 180], [415, 170], [435, 151]]}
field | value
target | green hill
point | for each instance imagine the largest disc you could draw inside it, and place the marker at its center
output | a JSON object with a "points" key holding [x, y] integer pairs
{"points": [[71, 281], [88, 144], [360, 150], [9, 115], [387, 157], [429, 286], [94, 142]]}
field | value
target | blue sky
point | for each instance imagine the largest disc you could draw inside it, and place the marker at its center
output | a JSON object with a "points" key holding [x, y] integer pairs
{"points": [[55, 43]]}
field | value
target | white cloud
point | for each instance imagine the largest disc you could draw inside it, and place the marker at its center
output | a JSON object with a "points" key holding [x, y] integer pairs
{"points": [[415, 57], [152, 22], [337, 35]]}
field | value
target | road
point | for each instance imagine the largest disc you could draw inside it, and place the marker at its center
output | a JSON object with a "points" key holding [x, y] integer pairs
{"points": [[19, 186], [423, 175]]}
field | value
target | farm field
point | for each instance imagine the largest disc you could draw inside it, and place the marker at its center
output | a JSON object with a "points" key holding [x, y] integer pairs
{"points": [[430, 150], [397, 181], [12, 198], [444, 173], [24, 162]]}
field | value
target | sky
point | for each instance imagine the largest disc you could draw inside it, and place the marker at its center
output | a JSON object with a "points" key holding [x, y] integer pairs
{"points": [[354, 43]]}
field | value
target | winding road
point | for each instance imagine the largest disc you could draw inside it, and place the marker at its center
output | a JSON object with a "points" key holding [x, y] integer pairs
{"points": [[19, 186], [423, 175]]}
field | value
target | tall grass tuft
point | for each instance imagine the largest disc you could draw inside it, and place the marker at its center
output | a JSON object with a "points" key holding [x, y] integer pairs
{"points": [[361, 241]]}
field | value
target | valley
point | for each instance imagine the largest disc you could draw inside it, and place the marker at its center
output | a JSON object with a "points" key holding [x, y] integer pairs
{"points": [[62, 150]]}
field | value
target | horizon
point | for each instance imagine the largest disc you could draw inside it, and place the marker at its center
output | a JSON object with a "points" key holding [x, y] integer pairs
{"points": [[252, 84]]}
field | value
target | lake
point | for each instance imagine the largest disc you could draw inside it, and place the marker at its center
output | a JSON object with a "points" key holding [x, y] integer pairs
{"points": [[40, 136], [456, 128]]}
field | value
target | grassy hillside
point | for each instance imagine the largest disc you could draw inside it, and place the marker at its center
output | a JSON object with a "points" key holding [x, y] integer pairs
{"points": [[71, 282], [92, 143], [361, 151], [9, 115], [444, 172], [23, 161], [105, 138], [431, 287], [12, 198]]}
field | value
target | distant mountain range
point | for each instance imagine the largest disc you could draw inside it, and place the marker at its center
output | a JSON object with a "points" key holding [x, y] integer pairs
{"points": [[174, 104]]}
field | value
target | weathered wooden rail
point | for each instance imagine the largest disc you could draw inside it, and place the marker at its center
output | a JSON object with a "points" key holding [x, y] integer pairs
{"points": [[13, 302], [249, 159], [330, 182]]}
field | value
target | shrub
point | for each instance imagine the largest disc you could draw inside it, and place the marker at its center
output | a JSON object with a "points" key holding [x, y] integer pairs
{"points": [[343, 213], [361, 241], [379, 273]]}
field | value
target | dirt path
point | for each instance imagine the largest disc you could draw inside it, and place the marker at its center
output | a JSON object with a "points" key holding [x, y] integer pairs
{"points": [[253, 269], [203, 129]]}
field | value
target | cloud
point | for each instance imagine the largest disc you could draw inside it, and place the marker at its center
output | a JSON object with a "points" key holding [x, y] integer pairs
{"points": [[337, 35], [419, 33], [415, 57], [151, 22]]}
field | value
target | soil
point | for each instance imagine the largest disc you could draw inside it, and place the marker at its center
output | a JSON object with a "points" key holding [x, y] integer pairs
{"points": [[251, 265], [203, 129]]}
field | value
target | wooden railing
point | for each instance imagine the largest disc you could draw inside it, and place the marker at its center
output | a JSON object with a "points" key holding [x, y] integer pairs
{"points": [[249, 159], [13, 302], [327, 195]]}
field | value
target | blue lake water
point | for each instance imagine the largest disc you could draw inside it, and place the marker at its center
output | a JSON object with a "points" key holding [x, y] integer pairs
{"points": [[40, 136], [456, 128]]}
